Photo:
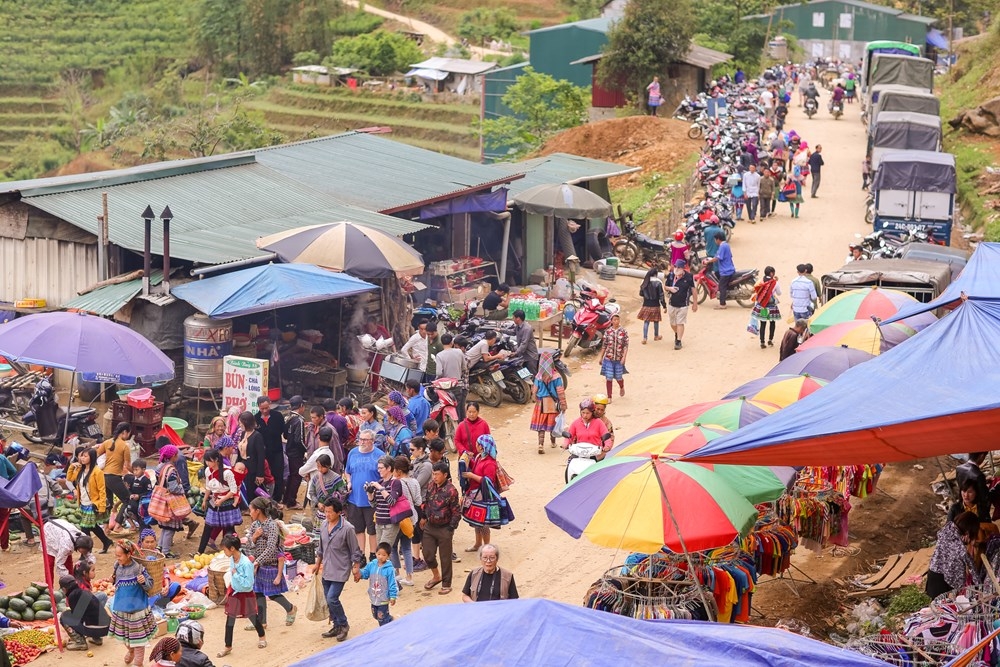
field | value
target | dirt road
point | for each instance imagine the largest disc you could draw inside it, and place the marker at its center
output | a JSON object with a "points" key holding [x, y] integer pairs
{"points": [[718, 355]]}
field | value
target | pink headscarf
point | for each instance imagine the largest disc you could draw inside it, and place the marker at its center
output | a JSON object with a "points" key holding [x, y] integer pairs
{"points": [[168, 452]]}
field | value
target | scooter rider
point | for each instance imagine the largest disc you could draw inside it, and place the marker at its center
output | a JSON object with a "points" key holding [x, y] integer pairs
{"points": [[601, 402], [588, 430], [812, 93], [838, 97]]}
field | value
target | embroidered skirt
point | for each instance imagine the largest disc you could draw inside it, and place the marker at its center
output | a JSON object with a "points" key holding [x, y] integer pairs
{"points": [[541, 421], [767, 313], [241, 605], [263, 581], [91, 518], [613, 370], [224, 518], [133, 628], [649, 314]]}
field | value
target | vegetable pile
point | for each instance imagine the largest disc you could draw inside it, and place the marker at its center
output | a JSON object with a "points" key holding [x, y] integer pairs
{"points": [[18, 653], [31, 605]]}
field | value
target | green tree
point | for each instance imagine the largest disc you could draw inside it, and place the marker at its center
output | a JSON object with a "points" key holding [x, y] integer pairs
{"points": [[651, 34], [482, 24], [583, 9], [379, 53], [541, 106]]}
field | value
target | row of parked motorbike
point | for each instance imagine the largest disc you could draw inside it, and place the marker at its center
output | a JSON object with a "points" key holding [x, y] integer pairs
{"points": [[877, 245]]}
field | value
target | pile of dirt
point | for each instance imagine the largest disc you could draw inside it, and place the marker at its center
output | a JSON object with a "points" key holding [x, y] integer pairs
{"points": [[655, 144]]}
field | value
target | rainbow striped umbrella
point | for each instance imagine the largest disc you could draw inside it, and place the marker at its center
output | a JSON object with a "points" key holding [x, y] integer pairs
{"points": [[865, 303], [645, 503], [758, 484], [731, 413], [862, 335], [780, 390], [821, 362]]}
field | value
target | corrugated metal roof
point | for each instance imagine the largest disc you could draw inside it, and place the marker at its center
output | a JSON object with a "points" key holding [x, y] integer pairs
{"points": [[376, 173], [109, 299], [219, 213], [456, 65], [698, 56], [898, 13], [561, 168], [599, 24], [45, 269]]}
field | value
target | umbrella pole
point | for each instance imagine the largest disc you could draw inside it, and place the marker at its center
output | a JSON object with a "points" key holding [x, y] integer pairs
{"points": [[687, 555], [69, 406]]}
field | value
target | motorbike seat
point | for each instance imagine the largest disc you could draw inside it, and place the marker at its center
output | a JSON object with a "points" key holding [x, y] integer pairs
{"points": [[603, 317], [649, 240], [742, 274], [81, 412]]}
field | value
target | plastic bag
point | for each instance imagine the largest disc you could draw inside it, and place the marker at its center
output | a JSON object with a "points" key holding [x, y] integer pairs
{"points": [[316, 609], [560, 424]]}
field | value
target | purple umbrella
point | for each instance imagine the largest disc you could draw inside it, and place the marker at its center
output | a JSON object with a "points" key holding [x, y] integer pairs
{"points": [[826, 362], [99, 349]]}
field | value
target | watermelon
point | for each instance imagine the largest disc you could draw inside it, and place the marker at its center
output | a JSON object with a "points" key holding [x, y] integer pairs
{"points": [[32, 593], [59, 596], [42, 605], [28, 615], [13, 615], [17, 605], [4, 601], [43, 615]]}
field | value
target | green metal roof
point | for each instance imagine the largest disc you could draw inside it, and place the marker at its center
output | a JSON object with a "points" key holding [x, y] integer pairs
{"points": [[376, 173], [109, 299], [560, 168], [599, 24], [219, 212]]}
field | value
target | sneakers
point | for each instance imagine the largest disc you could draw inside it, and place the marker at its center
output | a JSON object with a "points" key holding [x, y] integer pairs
{"points": [[332, 632], [342, 633], [419, 565], [677, 344], [405, 582], [455, 558]]}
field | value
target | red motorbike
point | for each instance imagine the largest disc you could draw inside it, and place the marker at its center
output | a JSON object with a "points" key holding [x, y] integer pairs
{"points": [[444, 407], [740, 285], [590, 321]]}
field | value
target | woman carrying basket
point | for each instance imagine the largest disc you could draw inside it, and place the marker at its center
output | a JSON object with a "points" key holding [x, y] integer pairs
{"points": [[549, 396]]}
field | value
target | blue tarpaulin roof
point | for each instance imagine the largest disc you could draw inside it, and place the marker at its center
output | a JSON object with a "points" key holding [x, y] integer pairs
{"points": [[980, 279], [261, 288], [937, 39], [937, 393], [532, 632], [18, 490]]}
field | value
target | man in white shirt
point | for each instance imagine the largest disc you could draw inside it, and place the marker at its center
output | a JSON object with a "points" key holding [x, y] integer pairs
{"points": [[803, 294], [481, 351], [751, 190], [767, 101], [416, 347]]}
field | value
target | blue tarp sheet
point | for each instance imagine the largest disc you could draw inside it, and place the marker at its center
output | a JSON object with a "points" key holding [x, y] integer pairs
{"points": [[980, 279], [937, 393], [937, 39], [478, 202], [529, 632], [262, 288], [22, 487]]}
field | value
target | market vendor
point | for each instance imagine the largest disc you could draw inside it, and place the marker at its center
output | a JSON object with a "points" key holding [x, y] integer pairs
{"points": [[495, 303], [86, 617]]}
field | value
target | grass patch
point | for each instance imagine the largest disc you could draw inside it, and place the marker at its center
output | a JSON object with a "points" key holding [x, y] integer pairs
{"points": [[311, 116], [641, 198]]}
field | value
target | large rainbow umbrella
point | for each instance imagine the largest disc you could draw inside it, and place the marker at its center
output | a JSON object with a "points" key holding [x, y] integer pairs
{"points": [[731, 413], [781, 390], [645, 503], [862, 335], [863, 304], [821, 362], [758, 484]]}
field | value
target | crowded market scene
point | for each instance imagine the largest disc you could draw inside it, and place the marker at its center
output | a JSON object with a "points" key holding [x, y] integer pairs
{"points": [[322, 431]]}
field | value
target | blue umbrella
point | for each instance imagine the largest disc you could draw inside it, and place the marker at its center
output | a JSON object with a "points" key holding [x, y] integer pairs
{"points": [[267, 287], [100, 349], [826, 362]]}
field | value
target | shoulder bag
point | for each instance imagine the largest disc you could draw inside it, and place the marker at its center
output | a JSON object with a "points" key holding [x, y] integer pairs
{"points": [[549, 404], [401, 509], [164, 506]]}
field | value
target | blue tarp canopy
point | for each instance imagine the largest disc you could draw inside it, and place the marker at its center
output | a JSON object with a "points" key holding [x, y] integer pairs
{"points": [[980, 279], [19, 489], [262, 288], [937, 393], [424, 73], [937, 39], [532, 632]]}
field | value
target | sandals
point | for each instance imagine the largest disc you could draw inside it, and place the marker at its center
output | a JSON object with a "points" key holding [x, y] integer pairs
{"points": [[541, 449], [262, 643], [224, 652], [471, 550], [431, 584], [129, 655], [444, 591], [290, 616]]}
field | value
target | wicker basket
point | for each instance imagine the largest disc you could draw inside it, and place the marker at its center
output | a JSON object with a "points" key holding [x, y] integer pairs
{"points": [[154, 562], [216, 586], [304, 552]]}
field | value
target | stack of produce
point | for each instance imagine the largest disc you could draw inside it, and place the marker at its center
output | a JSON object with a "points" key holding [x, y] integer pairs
{"points": [[31, 605], [189, 568], [68, 510]]}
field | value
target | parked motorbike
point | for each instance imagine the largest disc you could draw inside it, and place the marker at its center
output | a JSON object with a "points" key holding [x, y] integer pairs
{"points": [[837, 109], [690, 109], [589, 324], [487, 382], [582, 455], [634, 247], [444, 407], [740, 286], [50, 419], [810, 107]]}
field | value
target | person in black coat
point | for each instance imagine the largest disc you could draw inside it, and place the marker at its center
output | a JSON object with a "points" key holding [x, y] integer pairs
{"points": [[86, 617], [191, 635], [271, 425]]}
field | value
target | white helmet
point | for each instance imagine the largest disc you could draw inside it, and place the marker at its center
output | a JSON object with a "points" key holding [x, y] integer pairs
{"points": [[190, 633]]}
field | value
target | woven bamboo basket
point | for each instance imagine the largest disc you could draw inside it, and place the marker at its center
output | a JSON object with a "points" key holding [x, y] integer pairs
{"points": [[154, 563]]}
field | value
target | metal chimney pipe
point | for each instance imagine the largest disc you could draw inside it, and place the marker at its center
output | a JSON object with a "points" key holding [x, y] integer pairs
{"points": [[166, 216], [147, 257]]}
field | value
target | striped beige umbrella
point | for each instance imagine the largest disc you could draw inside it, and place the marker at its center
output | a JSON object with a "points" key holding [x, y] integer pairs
{"points": [[356, 250]]}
